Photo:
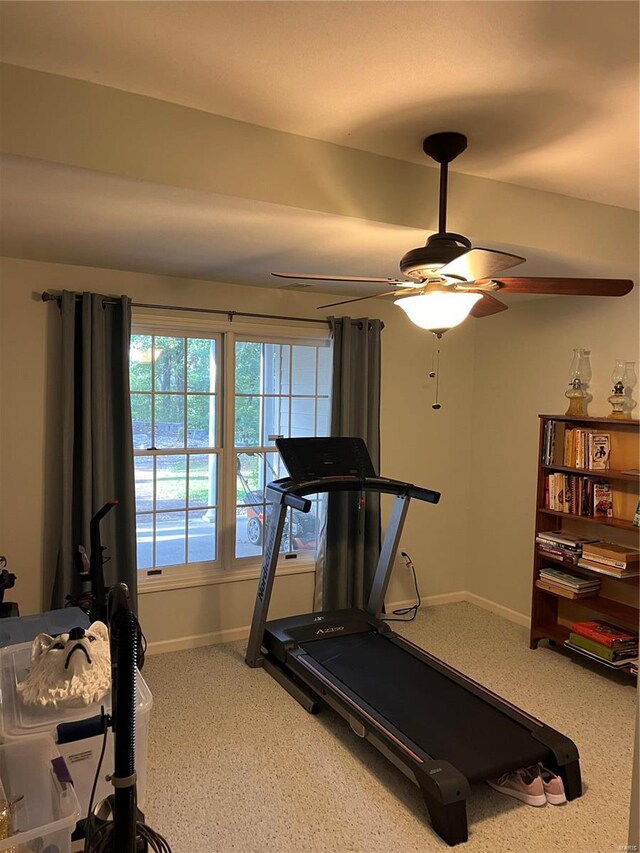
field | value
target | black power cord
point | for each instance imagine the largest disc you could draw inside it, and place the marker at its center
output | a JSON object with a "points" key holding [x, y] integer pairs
{"points": [[407, 614], [105, 728]]}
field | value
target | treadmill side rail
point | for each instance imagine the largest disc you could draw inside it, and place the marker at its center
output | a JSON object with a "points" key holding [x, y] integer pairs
{"points": [[299, 691]]}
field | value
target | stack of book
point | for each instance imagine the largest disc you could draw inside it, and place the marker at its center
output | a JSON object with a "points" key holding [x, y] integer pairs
{"points": [[619, 561], [565, 584], [585, 449], [562, 546], [608, 644], [577, 495]]}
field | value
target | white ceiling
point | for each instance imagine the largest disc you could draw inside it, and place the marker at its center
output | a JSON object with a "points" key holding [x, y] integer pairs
{"points": [[547, 92], [119, 223], [68, 215]]}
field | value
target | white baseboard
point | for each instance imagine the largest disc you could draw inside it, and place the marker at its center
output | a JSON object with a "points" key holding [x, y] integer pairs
{"points": [[230, 634], [429, 600], [500, 609], [196, 640]]}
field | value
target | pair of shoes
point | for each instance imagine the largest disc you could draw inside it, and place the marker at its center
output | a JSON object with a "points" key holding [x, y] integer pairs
{"points": [[535, 786]]}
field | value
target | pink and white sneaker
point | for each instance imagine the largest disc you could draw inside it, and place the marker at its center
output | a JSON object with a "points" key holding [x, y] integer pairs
{"points": [[525, 785], [553, 786]]}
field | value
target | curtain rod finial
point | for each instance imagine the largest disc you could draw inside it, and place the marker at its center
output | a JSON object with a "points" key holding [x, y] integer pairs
{"points": [[45, 296]]}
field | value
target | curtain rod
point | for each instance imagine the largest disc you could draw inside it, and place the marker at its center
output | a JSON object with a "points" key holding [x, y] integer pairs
{"points": [[52, 297]]}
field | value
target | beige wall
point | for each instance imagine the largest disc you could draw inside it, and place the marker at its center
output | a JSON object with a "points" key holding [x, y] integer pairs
{"points": [[479, 450], [522, 361], [432, 448]]}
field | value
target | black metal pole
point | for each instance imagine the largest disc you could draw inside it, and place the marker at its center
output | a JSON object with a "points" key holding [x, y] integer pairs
{"points": [[124, 646], [442, 213]]}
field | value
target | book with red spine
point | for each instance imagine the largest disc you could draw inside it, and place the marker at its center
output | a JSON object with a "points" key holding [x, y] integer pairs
{"points": [[608, 635]]}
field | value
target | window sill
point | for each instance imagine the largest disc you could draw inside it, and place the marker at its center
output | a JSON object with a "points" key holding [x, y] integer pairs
{"points": [[216, 576]]}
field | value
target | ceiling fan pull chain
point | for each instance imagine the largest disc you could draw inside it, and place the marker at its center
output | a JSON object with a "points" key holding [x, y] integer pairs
{"points": [[432, 372], [436, 404]]}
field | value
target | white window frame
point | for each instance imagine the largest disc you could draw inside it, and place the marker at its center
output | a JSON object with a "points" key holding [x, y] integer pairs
{"points": [[226, 568]]}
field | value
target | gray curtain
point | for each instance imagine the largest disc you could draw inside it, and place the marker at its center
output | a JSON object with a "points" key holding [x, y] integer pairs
{"points": [[97, 454], [352, 542]]}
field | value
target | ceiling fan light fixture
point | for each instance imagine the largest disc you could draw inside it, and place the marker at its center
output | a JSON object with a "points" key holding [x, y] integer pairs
{"points": [[438, 311]]}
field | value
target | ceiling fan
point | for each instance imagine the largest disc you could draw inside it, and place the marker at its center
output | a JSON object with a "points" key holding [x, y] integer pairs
{"points": [[447, 279]]}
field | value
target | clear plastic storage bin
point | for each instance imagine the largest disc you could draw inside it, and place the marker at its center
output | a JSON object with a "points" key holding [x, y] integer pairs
{"points": [[75, 729], [49, 809]]}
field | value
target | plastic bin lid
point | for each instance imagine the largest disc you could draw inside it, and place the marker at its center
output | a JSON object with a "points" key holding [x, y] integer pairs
{"points": [[19, 719], [22, 629], [47, 807]]}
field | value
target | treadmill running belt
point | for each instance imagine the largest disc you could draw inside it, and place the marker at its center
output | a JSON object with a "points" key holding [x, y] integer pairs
{"points": [[444, 719]]}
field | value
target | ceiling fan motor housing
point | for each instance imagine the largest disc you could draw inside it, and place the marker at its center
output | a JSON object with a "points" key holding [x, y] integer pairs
{"points": [[440, 249], [444, 147]]}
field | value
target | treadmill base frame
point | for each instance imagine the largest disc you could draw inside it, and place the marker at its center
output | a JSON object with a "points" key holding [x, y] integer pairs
{"points": [[444, 788]]}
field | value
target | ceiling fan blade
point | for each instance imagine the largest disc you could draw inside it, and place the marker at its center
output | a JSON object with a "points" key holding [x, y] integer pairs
{"points": [[476, 263], [342, 278], [487, 306], [406, 291], [564, 286]]}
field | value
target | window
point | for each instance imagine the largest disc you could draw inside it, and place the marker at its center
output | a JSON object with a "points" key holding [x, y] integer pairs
{"points": [[280, 390], [173, 405], [206, 411]]}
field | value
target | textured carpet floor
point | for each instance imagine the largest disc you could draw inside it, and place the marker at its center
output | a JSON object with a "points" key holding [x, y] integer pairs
{"points": [[235, 764]]}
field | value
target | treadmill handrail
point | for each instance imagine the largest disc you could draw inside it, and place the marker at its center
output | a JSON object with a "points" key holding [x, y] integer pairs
{"points": [[285, 493], [285, 490]]}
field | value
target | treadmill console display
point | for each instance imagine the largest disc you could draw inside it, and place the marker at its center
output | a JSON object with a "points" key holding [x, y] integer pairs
{"points": [[318, 458]]}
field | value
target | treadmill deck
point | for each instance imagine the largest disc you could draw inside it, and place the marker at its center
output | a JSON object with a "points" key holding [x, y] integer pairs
{"points": [[441, 717]]}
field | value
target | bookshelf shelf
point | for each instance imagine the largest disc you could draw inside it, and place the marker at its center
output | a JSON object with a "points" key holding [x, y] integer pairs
{"points": [[617, 599], [573, 567], [626, 670], [623, 613], [603, 474], [622, 523], [631, 423]]}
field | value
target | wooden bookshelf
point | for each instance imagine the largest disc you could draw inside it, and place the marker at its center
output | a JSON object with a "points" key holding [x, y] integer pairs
{"points": [[617, 599]]}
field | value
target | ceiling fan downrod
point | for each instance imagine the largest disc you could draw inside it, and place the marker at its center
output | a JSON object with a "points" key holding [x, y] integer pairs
{"points": [[443, 247], [443, 148]]}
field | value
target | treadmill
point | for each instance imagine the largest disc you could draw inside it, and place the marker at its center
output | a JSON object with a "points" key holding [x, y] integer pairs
{"points": [[441, 728]]}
